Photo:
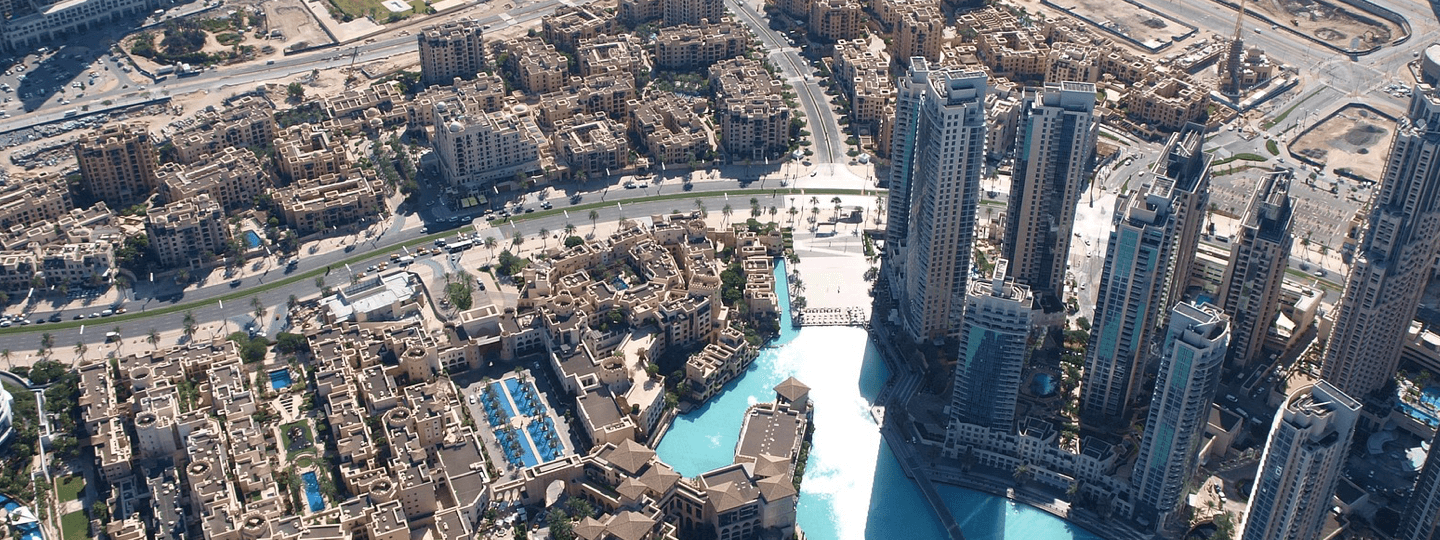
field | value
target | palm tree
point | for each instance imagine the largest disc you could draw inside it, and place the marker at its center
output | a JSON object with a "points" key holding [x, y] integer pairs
{"points": [[726, 211], [153, 338], [320, 282], [46, 341], [792, 211], [544, 237], [257, 306], [814, 201], [80, 349], [569, 230], [517, 239], [188, 325], [490, 242], [773, 211], [6, 355], [292, 301]]}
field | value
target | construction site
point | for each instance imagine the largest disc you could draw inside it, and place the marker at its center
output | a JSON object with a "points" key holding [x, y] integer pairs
{"points": [[1138, 24], [1354, 138], [1343, 26]]}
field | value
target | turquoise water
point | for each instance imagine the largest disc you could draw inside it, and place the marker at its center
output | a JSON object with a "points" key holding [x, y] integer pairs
{"points": [[280, 378], [854, 488], [312, 491], [252, 240]]}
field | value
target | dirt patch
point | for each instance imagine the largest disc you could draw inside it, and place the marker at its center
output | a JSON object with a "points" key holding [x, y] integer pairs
{"points": [[294, 22], [1355, 138], [1336, 24], [1148, 28]]}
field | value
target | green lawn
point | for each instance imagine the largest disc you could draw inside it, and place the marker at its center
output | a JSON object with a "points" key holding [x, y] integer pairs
{"points": [[69, 488], [75, 526], [361, 8], [298, 446]]}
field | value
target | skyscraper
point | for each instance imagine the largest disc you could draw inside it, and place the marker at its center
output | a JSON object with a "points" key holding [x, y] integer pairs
{"points": [[1418, 521], [1184, 390], [1153, 241], [1301, 465], [1054, 153], [1393, 261], [992, 351], [450, 50], [935, 183], [1250, 292]]}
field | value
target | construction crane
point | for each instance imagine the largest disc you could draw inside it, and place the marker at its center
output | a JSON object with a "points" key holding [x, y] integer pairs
{"points": [[1230, 83]]}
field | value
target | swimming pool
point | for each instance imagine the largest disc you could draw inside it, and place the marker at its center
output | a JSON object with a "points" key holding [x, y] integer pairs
{"points": [[28, 531], [1043, 385], [312, 491], [280, 378], [252, 240]]}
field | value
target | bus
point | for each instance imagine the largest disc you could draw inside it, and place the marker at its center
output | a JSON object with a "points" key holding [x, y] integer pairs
{"points": [[460, 246]]}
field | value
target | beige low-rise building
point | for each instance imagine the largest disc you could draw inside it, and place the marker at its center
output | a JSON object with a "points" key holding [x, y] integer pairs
{"points": [[538, 67], [569, 25], [369, 108], [27, 199], [636, 12], [1166, 103], [1070, 62], [453, 49], [832, 20], [889, 12], [919, 31], [17, 271], [73, 265], [486, 91], [755, 128], [670, 130], [232, 178], [330, 201], [306, 152], [609, 94], [687, 47], [624, 53], [188, 232], [592, 145], [742, 77], [117, 163], [247, 121]]}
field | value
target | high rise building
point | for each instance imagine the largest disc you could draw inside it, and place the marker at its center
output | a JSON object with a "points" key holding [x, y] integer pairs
{"points": [[117, 164], [1301, 465], [1419, 520], [450, 50], [1250, 291], [1054, 153], [1393, 260], [939, 139], [1184, 390], [1155, 232], [992, 351]]}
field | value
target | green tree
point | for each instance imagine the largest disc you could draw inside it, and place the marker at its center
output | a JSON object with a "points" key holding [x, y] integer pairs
{"points": [[544, 237], [295, 91], [153, 338], [257, 307], [517, 239], [47, 341], [594, 216], [188, 325], [80, 348]]}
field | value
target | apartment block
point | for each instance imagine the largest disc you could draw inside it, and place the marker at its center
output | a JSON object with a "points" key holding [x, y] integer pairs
{"points": [[1254, 277], [934, 191], [1089, 465], [669, 128], [307, 152], [486, 91], [994, 346], [117, 163], [1300, 468], [592, 145], [478, 149], [1072, 62], [232, 178], [635, 12], [800, 9], [610, 94], [27, 199], [755, 128], [569, 25], [1166, 102], [889, 12], [187, 232], [919, 32], [367, 109], [866, 77], [742, 77], [1243, 67], [1055, 153], [1190, 366], [73, 265], [832, 20], [692, 12], [690, 47], [330, 201], [537, 66], [30, 25], [718, 363], [247, 121], [624, 53], [453, 49], [1153, 239], [17, 270]]}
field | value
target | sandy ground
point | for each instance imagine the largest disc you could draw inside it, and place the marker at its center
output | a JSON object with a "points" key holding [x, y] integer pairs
{"points": [[1146, 27], [1335, 27], [1355, 138]]}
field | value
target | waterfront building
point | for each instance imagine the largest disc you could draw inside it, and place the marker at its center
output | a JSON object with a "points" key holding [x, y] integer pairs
{"points": [[188, 232], [1394, 260], [1189, 374], [453, 49], [117, 164], [934, 190], [1155, 232], [993, 350], [1055, 151], [1304, 455], [1250, 290], [1419, 520]]}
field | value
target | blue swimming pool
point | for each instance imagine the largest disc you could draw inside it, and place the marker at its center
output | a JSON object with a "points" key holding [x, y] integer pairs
{"points": [[280, 378], [1043, 385], [312, 491], [28, 531], [252, 240]]}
